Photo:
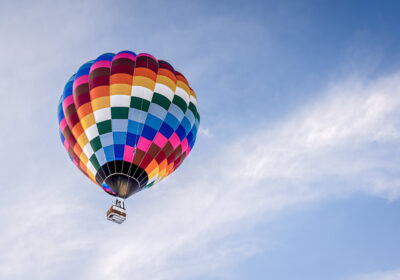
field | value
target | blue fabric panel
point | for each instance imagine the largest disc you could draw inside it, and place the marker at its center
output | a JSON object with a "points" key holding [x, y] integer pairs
{"points": [[157, 111], [105, 56], [137, 115], [153, 122], [100, 156], [119, 151], [132, 139], [119, 125], [189, 115], [190, 137], [60, 114], [186, 125], [84, 69], [106, 139], [176, 111], [166, 130], [62, 137], [119, 137], [134, 54], [171, 121], [149, 133], [109, 151], [135, 127], [181, 133]]}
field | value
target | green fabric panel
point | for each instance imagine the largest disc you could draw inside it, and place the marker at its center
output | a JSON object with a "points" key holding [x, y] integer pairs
{"points": [[193, 108], [140, 104], [119, 112], [180, 103], [104, 127], [161, 100], [150, 185], [96, 144], [95, 162]]}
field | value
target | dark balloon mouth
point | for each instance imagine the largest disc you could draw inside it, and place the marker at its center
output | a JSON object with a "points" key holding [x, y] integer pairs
{"points": [[123, 185], [122, 177]]}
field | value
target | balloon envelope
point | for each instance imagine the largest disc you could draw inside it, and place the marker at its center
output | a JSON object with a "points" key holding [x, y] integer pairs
{"points": [[127, 121]]}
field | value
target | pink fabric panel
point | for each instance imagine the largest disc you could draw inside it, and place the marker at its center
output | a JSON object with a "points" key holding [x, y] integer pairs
{"points": [[66, 145], [63, 124], [184, 145], [148, 55], [100, 64], [144, 144], [81, 80], [68, 101], [160, 140], [174, 139], [128, 153], [125, 55]]}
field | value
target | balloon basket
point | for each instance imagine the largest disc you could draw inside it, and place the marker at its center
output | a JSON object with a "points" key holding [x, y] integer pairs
{"points": [[117, 212]]}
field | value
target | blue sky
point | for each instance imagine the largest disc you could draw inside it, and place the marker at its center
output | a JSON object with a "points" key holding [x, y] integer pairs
{"points": [[295, 172]]}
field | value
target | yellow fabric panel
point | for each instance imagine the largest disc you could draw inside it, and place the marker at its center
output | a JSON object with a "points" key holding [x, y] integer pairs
{"points": [[153, 173], [120, 89], [82, 140], [100, 103], [91, 176], [166, 81], [161, 171], [144, 82], [83, 158], [88, 121], [183, 86], [193, 94]]}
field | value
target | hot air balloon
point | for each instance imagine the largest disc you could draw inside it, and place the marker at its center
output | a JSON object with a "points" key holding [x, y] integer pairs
{"points": [[127, 121]]}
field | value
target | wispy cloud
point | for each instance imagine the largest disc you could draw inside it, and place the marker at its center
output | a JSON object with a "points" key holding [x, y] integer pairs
{"points": [[198, 220], [381, 275]]}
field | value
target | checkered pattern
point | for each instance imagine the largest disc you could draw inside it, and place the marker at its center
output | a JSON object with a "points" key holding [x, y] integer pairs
{"points": [[128, 113]]}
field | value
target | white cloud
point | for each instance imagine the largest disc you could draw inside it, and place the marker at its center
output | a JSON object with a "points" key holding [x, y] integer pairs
{"points": [[188, 225], [204, 131], [381, 275]]}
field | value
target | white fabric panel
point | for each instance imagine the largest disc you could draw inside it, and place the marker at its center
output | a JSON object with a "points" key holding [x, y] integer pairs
{"points": [[120, 100], [90, 166], [164, 90], [193, 100], [102, 114], [181, 93], [92, 132], [142, 92], [88, 150]]}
